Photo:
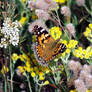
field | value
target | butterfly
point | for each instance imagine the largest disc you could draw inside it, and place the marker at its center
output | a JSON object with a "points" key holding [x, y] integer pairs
{"points": [[46, 48]]}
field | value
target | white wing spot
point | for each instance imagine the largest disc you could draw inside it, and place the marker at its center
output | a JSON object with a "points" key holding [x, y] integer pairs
{"points": [[42, 30]]}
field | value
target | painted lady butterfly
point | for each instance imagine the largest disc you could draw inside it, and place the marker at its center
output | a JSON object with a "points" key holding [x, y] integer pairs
{"points": [[46, 48]]}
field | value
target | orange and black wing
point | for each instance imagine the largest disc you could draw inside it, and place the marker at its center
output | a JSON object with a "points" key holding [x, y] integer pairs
{"points": [[46, 47]]}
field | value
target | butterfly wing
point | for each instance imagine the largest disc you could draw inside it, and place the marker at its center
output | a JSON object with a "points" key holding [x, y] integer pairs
{"points": [[46, 47]]}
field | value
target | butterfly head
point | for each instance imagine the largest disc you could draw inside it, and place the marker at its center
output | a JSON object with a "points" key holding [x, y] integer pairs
{"points": [[35, 28]]}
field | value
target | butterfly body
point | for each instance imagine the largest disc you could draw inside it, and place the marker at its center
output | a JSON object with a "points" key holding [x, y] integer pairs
{"points": [[46, 47]]}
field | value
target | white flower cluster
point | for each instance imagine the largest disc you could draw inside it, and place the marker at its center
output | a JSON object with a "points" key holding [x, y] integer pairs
{"points": [[10, 32]]}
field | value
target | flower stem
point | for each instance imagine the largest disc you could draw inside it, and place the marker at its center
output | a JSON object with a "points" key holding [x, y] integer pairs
{"points": [[40, 89], [29, 83], [60, 23], [68, 17], [5, 84], [65, 63], [11, 69]]}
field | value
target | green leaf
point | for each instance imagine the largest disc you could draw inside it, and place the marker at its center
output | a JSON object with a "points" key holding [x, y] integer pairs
{"points": [[89, 61]]}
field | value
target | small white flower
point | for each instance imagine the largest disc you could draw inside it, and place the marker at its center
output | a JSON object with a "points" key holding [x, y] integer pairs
{"points": [[10, 30]]}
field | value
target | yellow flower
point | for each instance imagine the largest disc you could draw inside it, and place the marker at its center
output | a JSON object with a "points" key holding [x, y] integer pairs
{"points": [[24, 56], [88, 32], [47, 71], [27, 69], [88, 90], [22, 20], [24, 1], [60, 1], [34, 0], [91, 51], [41, 78], [88, 48], [44, 69], [64, 42], [41, 73], [56, 59], [83, 53], [78, 52], [28, 64], [21, 68], [14, 57], [46, 82], [88, 52], [63, 54], [21, 58], [33, 74], [4, 69], [90, 36], [72, 44], [55, 32], [73, 90], [36, 70], [76, 55], [81, 56], [80, 49], [76, 90], [90, 26], [31, 69], [68, 51], [87, 56]]}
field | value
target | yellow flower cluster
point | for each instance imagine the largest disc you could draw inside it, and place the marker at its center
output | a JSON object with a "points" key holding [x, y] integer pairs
{"points": [[88, 32], [83, 53], [60, 1], [76, 90], [55, 32], [22, 57], [4, 69], [70, 46], [33, 70]]}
